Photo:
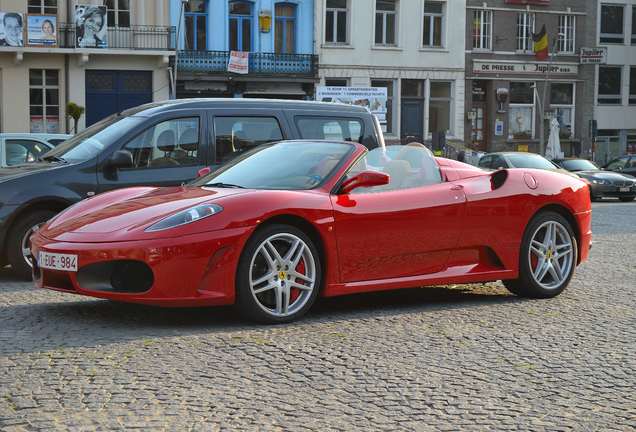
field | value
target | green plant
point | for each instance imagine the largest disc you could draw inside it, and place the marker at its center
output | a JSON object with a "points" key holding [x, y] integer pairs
{"points": [[75, 112]]}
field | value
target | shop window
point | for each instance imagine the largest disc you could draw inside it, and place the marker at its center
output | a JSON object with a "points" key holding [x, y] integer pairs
{"points": [[612, 30], [196, 24], [336, 18], [240, 26], [566, 29], [387, 122], [609, 85], [433, 24], [336, 82], [385, 22], [440, 107], [323, 128], [482, 30], [234, 135], [525, 28], [44, 101], [42, 7], [562, 102], [285, 29], [632, 85], [118, 13], [521, 110]]}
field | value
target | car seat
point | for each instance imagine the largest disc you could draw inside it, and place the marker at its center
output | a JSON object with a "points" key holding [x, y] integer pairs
{"points": [[188, 145], [166, 142]]}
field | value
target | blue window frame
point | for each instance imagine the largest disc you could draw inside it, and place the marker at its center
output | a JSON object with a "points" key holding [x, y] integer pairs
{"points": [[196, 25], [285, 28], [241, 22]]}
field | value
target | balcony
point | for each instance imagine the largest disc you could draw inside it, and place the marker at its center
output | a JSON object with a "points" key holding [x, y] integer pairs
{"points": [[260, 64], [149, 38]]}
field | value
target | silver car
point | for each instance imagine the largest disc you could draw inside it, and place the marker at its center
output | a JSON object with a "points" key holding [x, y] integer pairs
{"points": [[21, 148]]}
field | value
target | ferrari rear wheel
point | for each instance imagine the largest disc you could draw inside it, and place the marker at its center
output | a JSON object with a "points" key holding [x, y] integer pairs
{"points": [[548, 257], [279, 275]]}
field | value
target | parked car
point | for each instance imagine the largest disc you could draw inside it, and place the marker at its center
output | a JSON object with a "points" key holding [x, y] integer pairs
{"points": [[20, 148], [289, 221], [159, 144], [625, 165], [602, 183], [519, 160]]}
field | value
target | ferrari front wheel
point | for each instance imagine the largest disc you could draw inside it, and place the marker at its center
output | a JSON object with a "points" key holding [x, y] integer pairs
{"points": [[548, 257], [279, 275]]}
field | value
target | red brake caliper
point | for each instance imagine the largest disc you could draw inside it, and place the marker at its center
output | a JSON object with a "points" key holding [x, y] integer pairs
{"points": [[294, 293]]}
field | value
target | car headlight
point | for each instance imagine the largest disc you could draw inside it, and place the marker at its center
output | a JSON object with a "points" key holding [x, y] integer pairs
{"points": [[600, 181], [184, 217]]}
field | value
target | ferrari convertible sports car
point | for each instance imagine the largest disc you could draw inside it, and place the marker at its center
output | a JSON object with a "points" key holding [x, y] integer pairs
{"points": [[289, 221]]}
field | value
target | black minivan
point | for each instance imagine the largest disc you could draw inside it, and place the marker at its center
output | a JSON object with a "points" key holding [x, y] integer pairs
{"points": [[159, 144]]}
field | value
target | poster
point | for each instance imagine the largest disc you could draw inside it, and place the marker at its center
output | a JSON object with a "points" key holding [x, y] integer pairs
{"points": [[39, 125], [41, 30], [372, 98], [91, 27], [11, 29], [239, 62], [499, 127]]}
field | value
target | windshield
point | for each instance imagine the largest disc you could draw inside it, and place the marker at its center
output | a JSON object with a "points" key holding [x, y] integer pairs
{"points": [[295, 165], [578, 165], [530, 161], [90, 142]]}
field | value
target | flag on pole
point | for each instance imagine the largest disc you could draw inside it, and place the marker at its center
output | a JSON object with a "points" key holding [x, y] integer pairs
{"points": [[541, 44]]}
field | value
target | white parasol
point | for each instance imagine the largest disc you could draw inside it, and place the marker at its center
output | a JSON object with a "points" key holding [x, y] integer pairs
{"points": [[553, 150]]}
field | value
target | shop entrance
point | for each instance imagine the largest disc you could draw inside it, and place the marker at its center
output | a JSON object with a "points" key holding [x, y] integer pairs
{"points": [[479, 122]]}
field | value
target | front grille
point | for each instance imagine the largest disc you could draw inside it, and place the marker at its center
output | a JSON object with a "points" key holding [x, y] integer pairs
{"points": [[623, 183]]}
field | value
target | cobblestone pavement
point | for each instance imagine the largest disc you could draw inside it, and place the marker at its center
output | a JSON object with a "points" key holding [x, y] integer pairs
{"points": [[467, 357]]}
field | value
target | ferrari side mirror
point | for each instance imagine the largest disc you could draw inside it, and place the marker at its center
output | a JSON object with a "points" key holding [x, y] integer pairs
{"points": [[365, 179]]}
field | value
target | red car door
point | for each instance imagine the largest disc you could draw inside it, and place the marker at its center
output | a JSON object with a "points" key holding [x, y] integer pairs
{"points": [[397, 233]]}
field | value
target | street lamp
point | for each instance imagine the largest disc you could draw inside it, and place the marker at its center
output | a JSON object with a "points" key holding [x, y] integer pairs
{"points": [[176, 53]]}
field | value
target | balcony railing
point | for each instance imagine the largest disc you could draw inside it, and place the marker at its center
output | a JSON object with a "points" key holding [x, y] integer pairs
{"points": [[264, 64], [158, 38]]}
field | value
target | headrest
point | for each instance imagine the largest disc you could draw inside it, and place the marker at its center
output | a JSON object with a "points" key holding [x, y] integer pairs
{"points": [[166, 141], [189, 140]]}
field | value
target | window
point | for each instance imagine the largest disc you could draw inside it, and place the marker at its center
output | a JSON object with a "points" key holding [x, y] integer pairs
{"points": [[439, 112], [521, 110], [482, 29], [235, 135], [632, 85], [118, 13], [566, 29], [43, 7], [433, 22], [44, 101], [285, 29], [240, 26], [562, 101], [387, 122], [171, 143], [484, 161], [336, 82], [385, 22], [23, 151], [324, 128], [525, 28], [196, 24], [336, 22], [612, 24], [634, 25], [609, 85]]}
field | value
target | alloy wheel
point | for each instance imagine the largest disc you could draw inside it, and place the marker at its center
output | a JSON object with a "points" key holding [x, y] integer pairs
{"points": [[551, 255], [26, 244]]}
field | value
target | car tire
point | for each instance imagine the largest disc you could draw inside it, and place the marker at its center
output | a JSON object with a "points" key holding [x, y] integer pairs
{"points": [[24, 227], [627, 199], [268, 280], [548, 277]]}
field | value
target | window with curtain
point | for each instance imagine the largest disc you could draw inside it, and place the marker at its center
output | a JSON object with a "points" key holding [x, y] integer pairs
{"points": [[336, 15], [433, 22], [118, 13], [240, 26], [525, 28], [285, 28], [196, 25], [385, 22], [482, 29], [521, 110], [566, 29]]}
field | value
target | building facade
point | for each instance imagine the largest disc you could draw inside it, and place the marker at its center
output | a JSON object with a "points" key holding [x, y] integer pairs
{"points": [[615, 90], [110, 58], [506, 91], [276, 34], [414, 48]]}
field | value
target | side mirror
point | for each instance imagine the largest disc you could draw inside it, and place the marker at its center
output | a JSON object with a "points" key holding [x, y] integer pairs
{"points": [[204, 171], [121, 159], [365, 179]]}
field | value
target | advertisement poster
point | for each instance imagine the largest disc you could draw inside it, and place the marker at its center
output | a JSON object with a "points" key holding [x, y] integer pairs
{"points": [[239, 62], [41, 30], [11, 29], [372, 98], [91, 27], [51, 125]]}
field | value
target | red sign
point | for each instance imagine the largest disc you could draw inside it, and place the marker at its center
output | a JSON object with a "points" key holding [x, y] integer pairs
{"points": [[529, 2]]}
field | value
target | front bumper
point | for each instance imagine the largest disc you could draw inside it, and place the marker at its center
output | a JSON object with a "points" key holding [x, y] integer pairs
{"points": [[601, 190], [195, 270]]}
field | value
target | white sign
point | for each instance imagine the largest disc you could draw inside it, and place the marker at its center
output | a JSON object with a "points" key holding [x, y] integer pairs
{"points": [[239, 62], [594, 55], [490, 67], [372, 98]]}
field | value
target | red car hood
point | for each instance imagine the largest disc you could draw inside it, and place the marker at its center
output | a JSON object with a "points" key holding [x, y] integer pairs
{"points": [[125, 211]]}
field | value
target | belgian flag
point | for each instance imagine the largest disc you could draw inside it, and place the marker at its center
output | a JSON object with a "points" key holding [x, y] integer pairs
{"points": [[541, 44]]}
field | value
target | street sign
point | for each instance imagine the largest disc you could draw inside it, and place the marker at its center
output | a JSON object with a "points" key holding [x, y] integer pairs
{"points": [[593, 55]]}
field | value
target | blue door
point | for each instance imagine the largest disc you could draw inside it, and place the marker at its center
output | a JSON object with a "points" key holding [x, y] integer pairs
{"points": [[109, 92]]}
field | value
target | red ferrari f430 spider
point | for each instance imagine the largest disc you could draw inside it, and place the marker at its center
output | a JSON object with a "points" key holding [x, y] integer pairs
{"points": [[287, 222]]}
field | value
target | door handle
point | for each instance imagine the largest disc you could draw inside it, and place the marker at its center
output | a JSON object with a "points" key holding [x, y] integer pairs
{"points": [[457, 188]]}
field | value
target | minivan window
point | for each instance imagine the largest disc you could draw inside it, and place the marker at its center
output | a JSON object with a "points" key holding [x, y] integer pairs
{"points": [[234, 135], [325, 128]]}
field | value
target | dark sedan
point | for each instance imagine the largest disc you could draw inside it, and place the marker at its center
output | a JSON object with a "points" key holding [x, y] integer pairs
{"points": [[602, 183]]}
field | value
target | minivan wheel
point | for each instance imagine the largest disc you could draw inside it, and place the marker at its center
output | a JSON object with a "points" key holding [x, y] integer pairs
{"points": [[19, 245]]}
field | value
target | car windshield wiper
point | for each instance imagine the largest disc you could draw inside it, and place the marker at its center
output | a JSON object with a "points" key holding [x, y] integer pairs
{"points": [[54, 158], [225, 185]]}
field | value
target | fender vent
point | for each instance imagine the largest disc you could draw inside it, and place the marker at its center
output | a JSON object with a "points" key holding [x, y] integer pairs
{"points": [[498, 178]]}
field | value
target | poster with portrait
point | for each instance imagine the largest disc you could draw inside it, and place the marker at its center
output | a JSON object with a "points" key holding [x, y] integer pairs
{"points": [[91, 27], [42, 30], [11, 29]]}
